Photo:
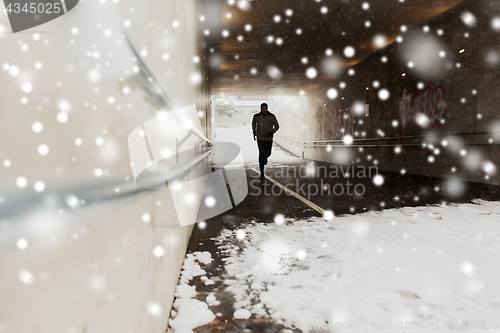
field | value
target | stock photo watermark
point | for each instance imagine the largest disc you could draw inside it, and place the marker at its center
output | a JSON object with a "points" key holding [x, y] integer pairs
{"points": [[26, 14], [355, 324], [348, 180]]}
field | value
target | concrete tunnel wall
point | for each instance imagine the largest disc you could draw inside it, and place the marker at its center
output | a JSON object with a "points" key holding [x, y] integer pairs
{"points": [[97, 274], [471, 84]]}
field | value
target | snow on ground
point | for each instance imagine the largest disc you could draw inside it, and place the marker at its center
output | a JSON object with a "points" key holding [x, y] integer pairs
{"points": [[243, 137], [428, 265], [189, 313]]}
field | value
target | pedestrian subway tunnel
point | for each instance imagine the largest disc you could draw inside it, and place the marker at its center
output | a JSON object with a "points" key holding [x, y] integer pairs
{"points": [[130, 194]]}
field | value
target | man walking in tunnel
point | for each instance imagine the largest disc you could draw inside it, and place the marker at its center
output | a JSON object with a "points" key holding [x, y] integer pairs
{"points": [[264, 125]]}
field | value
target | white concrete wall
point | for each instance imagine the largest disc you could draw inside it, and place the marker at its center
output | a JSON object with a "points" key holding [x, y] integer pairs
{"points": [[291, 119], [100, 274]]}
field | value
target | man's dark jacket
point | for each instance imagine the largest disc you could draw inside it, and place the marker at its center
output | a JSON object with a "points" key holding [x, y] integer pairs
{"points": [[264, 126]]}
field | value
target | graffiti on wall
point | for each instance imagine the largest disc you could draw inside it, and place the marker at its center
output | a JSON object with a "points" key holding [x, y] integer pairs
{"points": [[344, 122], [426, 108]]}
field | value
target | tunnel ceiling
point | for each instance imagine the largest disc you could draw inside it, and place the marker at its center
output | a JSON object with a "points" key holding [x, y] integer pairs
{"points": [[278, 70]]}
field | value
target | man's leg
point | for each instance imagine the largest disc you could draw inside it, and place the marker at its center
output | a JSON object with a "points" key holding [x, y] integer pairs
{"points": [[269, 147], [262, 152]]}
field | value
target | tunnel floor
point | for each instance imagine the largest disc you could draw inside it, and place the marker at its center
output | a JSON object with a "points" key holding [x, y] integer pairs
{"points": [[262, 205]]}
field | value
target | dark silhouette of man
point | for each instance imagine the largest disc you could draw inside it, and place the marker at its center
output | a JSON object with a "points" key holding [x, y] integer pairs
{"points": [[264, 125]]}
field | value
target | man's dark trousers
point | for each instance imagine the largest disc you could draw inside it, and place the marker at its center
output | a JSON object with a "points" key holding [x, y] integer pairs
{"points": [[264, 152]]}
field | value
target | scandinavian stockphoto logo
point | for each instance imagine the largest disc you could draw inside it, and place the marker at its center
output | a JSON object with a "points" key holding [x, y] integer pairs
{"points": [[171, 152], [26, 14]]}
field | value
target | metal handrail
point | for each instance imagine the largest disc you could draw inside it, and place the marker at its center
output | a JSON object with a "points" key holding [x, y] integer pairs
{"points": [[388, 138], [87, 200], [332, 143]]}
